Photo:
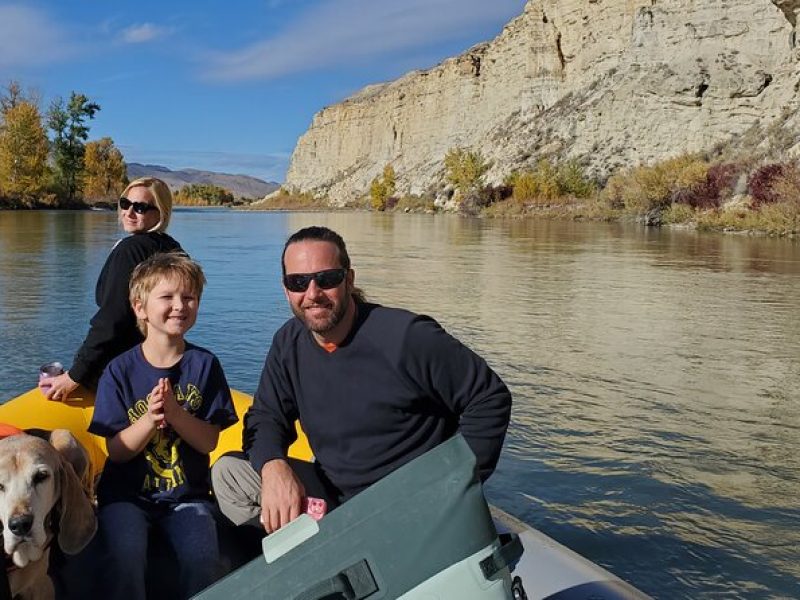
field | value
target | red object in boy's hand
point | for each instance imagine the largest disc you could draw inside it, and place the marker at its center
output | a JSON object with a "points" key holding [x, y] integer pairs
{"points": [[314, 507]]}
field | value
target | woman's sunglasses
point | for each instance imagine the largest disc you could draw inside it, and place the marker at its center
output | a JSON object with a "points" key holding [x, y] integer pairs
{"points": [[140, 208], [299, 282]]}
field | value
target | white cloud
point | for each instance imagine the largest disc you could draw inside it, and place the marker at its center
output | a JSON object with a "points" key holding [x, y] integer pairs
{"points": [[29, 38], [145, 32], [339, 31]]}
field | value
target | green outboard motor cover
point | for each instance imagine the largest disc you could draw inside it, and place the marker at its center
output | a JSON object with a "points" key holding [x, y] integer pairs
{"points": [[410, 526]]}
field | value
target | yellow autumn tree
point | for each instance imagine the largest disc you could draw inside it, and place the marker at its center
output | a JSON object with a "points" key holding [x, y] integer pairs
{"points": [[23, 152], [203, 194], [105, 174], [465, 170], [382, 188]]}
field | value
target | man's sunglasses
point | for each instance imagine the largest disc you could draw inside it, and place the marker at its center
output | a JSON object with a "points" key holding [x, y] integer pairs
{"points": [[299, 282], [140, 208]]}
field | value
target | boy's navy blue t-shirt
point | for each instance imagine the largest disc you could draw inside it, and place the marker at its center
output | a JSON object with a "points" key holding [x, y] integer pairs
{"points": [[168, 469]]}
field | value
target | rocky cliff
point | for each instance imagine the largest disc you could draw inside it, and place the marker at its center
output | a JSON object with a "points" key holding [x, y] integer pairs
{"points": [[607, 82]]}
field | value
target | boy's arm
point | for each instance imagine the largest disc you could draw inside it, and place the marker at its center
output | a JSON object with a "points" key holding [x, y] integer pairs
{"points": [[199, 434], [130, 441], [124, 440]]}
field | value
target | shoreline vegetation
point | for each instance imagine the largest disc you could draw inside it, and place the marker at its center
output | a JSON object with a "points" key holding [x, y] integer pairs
{"points": [[692, 191], [688, 191], [723, 190], [48, 162]]}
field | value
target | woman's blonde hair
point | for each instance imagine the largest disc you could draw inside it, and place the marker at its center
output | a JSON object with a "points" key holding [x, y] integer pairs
{"points": [[162, 197], [160, 266]]}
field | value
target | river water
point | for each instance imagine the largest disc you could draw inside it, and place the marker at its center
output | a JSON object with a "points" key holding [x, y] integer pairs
{"points": [[655, 373]]}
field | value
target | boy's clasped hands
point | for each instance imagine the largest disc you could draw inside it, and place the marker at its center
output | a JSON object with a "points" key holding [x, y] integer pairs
{"points": [[161, 404]]}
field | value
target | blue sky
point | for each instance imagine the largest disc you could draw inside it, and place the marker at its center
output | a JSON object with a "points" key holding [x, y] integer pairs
{"points": [[227, 86]]}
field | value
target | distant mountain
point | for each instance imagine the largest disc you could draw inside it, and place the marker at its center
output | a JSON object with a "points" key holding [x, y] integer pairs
{"points": [[239, 185]]}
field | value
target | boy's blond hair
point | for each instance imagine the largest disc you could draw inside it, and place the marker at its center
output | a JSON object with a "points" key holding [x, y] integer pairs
{"points": [[161, 266]]}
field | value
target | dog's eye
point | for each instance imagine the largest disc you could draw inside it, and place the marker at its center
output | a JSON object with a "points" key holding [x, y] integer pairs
{"points": [[2, 488], [40, 476]]}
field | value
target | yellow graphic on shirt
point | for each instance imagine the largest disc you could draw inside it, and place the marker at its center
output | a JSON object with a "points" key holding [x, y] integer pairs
{"points": [[165, 469], [192, 400]]}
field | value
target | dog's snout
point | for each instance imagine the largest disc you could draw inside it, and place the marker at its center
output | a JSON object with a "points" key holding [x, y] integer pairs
{"points": [[21, 525]]}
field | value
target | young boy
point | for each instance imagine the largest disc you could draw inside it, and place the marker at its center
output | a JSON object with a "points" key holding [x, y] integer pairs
{"points": [[161, 407]]}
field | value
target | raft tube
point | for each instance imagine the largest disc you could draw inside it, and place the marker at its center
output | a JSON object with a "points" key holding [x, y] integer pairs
{"points": [[32, 410], [547, 570]]}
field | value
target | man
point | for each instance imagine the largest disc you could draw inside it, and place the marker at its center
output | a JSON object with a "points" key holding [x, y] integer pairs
{"points": [[373, 387]]}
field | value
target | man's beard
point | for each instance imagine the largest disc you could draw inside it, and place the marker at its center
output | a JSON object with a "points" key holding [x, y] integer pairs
{"points": [[325, 324]]}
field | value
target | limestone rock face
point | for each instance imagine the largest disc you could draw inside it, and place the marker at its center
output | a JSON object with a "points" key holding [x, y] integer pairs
{"points": [[607, 82]]}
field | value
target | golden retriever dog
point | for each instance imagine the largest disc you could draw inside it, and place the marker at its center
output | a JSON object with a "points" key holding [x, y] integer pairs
{"points": [[42, 497]]}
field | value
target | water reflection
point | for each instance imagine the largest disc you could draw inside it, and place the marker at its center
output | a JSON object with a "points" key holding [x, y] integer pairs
{"points": [[655, 376], [655, 372], [48, 265]]}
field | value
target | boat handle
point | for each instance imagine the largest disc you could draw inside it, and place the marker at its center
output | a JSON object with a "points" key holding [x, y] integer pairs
{"points": [[352, 583], [506, 555]]}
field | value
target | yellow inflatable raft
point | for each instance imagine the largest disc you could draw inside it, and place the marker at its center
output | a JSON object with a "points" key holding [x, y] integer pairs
{"points": [[32, 410]]}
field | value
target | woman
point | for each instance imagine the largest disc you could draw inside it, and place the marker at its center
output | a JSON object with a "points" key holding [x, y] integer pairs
{"points": [[144, 212]]}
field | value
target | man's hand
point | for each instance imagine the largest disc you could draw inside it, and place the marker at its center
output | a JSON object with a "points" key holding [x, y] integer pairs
{"points": [[281, 495]]}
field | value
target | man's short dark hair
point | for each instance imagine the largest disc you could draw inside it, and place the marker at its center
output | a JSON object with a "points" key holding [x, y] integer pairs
{"points": [[316, 233]]}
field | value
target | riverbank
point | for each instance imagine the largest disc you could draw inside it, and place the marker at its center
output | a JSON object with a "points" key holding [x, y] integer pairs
{"points": [[733, 194], [781, 220], [103, 205], [685, 192], [777, 221]]}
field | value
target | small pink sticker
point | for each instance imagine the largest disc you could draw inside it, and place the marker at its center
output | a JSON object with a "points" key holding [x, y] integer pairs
{"points": [[315, 507]]}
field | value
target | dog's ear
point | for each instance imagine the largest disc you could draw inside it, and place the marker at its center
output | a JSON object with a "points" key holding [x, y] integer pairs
{"points": [[71, 449], [75, 454], [78, 522]]}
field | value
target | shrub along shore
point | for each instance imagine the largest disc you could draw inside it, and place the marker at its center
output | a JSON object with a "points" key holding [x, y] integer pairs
{"points": [[688, 190]]}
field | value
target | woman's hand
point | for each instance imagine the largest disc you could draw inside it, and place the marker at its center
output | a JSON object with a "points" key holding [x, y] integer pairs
{"points": [[60, 387]]}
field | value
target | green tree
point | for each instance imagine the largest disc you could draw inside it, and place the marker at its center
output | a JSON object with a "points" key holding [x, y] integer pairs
{"points": [[382, 188], [573, 181], [465, 170], [105, 172], [67, 121], [23, 151]]}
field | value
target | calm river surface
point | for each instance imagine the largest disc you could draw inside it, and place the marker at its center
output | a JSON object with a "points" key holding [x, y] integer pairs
{"points": [[656, 374]]}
